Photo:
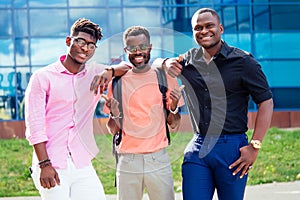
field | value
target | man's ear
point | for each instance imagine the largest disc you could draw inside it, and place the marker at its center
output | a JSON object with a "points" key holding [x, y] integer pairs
{"points": [[68, 41]]}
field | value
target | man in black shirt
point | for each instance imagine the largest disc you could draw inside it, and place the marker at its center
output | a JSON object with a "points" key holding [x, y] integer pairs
{"points": [[219, 81]]}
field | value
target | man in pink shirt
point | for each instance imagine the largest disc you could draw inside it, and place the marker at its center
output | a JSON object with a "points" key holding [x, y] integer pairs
{"points": [[142, 159], [59, 110]]}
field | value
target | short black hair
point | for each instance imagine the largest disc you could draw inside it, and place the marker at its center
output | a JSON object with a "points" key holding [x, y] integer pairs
{"points": [[204, 10], [134, 31], [87, 26]]}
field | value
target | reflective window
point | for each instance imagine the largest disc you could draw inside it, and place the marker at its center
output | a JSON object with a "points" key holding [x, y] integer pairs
{"points": [[280, 76], [261, 17], [5, 22], [43, 3], [42, 22], [22, 52], [98, 16], [20, 23], [242, 41], [141, 3], [6, 52], [79, 3], [132, 17], [285, 17], [20, 3], [5, 3], [46, 51], [269, 45], [115, 21]]}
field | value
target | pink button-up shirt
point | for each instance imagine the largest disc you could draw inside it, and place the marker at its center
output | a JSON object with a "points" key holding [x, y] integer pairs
{"points": [[59, 109]]}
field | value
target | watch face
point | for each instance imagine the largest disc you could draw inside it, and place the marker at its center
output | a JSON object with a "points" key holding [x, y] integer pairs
{"points": [[256, 144]]}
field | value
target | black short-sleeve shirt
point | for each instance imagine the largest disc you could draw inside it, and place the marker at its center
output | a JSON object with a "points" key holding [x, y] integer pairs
{"points": [[220, 90]]}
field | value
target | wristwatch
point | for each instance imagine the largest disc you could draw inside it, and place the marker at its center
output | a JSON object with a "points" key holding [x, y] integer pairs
{"points": [[256, 144]]}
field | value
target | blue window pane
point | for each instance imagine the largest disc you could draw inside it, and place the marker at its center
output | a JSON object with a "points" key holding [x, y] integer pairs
{"points": [[88, 3], [243, 18], [269, 45], [242, 41], [229, 17], [22, 52], [261, 18], [98, 16], [132, 17], [46, 51], [285, 17], [43, 3], [141, 3], [20, 3], [282, 73], [42, 22], [114, 2], [5, 23], [5, 3], [6, 52], [20, 23], [115, 21]]}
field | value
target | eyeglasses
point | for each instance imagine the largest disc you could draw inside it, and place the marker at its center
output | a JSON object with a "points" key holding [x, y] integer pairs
{"points": [[81, 42], [134, 49]]}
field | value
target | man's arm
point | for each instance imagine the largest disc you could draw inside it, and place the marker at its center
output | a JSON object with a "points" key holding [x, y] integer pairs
{"points": [[249, 153], [173, 118], [113, 124], [100, 82], [48, 177], [170, 65]]}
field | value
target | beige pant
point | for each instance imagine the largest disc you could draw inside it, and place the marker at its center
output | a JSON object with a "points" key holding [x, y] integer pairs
{"points": [[136, 172]]}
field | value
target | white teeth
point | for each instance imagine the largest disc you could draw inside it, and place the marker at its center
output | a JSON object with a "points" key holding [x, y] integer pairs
{"points": [[139, 58], [82, 55]]}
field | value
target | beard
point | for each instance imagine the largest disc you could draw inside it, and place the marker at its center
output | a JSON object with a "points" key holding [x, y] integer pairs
{"points": [[144, 64]]}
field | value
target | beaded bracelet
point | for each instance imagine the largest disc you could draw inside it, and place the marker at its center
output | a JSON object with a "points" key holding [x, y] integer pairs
{"points": [[45, 164], [44, 161], [115, 117]]}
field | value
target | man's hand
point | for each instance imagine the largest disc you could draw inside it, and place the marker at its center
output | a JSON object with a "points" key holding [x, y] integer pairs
{"points": [[49, 177], [173, 67], [100, 82], [245, 161], [175, 95], [112, 104]]}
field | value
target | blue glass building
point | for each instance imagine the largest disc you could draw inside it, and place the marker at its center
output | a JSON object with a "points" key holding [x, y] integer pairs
{"points": [[33, 32]]}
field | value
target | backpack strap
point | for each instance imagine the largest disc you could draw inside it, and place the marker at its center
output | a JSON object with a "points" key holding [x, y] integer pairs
{"points": [[117, 94], [163, 87]]}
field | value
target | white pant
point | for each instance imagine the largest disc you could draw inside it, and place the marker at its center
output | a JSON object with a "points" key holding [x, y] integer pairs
{"points": [[75, 184]]}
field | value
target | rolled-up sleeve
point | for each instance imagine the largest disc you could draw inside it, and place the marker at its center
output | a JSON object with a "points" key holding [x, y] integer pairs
{"points": [[35, 103]]}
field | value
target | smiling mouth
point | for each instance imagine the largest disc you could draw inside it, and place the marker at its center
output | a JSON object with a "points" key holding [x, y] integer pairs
{"points": [[206, 37]]}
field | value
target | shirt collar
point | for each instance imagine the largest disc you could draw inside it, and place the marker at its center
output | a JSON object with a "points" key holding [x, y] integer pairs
{"points": [[61, 68]]}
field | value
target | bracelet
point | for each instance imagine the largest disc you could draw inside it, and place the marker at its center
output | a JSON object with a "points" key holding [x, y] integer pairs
{"points": [[44, 161], [164, 62], [46, 164], [115, 117], [174, 112], [112, 70]]}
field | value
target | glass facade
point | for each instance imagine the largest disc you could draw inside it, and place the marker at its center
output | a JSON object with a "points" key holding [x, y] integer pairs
{"points": [[33, 32]]}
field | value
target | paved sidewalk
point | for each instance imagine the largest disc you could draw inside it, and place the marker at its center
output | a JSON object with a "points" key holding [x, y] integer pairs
{"points": [[273, 191]]}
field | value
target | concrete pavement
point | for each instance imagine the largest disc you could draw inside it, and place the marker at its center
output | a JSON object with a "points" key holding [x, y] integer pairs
{"points": [[273, 191]]}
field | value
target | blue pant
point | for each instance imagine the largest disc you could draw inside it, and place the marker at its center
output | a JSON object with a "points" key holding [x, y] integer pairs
{"points": [[205, 168]]}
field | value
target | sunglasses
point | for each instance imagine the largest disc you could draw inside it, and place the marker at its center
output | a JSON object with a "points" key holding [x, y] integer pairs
{"points": [[134, 49]]}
